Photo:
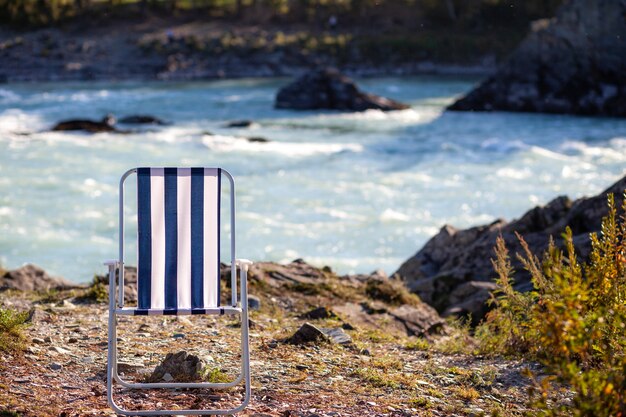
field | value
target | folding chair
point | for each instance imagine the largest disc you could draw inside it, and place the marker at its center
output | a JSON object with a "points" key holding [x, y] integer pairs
{"points": [[178, 266]]}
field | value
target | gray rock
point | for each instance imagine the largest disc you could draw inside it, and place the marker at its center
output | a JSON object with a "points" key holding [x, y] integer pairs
{"points": [[239, 123], [91, 126], [181, 366], [327, 88], [254, 302], [33, 278], [55, 366], [59, 349], [453, 271], [573, 63], [307, 333], [297, 273], [142, 119], [130, 282], [338, 336]]}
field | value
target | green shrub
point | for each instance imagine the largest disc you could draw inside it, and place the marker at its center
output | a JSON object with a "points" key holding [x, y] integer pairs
{"points": [[574, 320], [215, 375], [96, 292], [12, 324]]}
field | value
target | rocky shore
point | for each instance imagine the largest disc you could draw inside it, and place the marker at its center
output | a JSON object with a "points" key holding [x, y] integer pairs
{"points": [[574, 63], [322, 345], [453, 271]]}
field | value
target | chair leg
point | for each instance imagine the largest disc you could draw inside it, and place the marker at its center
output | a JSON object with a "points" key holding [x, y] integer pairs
{"points": [[112, 373]]}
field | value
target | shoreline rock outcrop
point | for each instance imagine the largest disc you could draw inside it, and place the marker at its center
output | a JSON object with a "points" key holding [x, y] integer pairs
{"points": [[32, 278], [453, 271], [574, 63], [327, 88]]}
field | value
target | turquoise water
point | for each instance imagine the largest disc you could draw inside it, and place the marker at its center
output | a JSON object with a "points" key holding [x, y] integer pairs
{"points": [[356, 191]]}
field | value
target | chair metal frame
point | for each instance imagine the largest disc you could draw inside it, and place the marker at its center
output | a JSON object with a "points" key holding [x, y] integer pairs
{"points": [[239, 306]]}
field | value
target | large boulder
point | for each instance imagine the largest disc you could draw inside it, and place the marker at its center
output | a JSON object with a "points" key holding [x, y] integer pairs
{"points": [[574, 63], [453, 271], [32, 278], [329, 89]]}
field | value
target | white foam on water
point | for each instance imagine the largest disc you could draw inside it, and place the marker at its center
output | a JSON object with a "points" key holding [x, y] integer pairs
{"points": [[356, 191], [221, 143]]}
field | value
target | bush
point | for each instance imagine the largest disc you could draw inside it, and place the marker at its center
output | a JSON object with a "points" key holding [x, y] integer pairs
{"points": [[573, 322], [12, 324]]}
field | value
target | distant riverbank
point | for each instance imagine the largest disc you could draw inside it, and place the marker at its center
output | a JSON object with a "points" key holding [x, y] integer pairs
{"points": [[157, 48]]}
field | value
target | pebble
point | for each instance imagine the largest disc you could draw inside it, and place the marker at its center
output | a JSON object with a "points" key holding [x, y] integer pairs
{"points": [[55, 366], [59, 349], [47, 339], [87, 359], [179, 336], [72, 340], [168, 377], [38, 341]]}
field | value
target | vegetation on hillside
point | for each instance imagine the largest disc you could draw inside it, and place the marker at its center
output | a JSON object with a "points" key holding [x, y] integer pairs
{"points": [[12, 324], [574, 321], [397, 12]]}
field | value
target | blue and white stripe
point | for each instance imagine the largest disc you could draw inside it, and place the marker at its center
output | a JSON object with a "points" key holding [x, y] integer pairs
{"points": [[178, 239]]}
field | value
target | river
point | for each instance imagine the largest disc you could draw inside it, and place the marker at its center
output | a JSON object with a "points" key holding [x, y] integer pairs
{"points": [[356, 191]]}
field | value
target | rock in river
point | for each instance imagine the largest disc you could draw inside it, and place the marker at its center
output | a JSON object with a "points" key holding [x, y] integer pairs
{"points": [[329, 89], [574, 63], [453, 271], [92, 126], [142, 119]]}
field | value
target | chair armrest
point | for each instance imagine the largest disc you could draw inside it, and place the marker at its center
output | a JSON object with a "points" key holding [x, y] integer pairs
{"points": [[243, 263]]}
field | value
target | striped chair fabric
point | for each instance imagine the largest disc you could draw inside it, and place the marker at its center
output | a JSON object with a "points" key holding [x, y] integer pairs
{"points": [[178, 242]]}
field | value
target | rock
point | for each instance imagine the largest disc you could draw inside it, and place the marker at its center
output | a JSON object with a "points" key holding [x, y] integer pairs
{"points": [[254, 302], [239, 123], [33, 278], [60, 350], [130, 282], [327, 88], [36, 315], [453, 271], [181, 366], [38, 341], [307, 333], [419, 320], [105, 125], [319, 313], [258, 139], [573, 63], [338, 336], [298, 273], [142, 119], [55, 366]]}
